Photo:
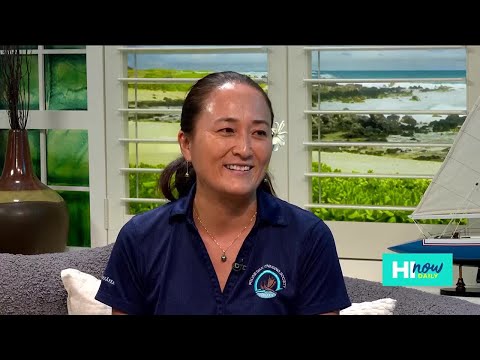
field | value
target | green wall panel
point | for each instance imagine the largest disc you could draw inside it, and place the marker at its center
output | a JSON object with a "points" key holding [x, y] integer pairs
{"points": [[78, 203], [67, 157], [66, 82]]}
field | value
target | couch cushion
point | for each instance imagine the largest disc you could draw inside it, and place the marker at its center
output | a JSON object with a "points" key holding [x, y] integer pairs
{"points": [[31, 284], [376, 307], [81, 290]]}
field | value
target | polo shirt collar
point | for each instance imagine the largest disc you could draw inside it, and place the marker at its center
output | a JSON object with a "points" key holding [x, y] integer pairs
{"points": [[269, 210]]}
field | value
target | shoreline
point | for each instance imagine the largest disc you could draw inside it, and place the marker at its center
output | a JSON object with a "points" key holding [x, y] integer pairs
{"points": [[454, 99]]}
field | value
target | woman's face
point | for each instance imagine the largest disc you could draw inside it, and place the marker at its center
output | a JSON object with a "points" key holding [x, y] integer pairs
{"points": [[231, 144]]}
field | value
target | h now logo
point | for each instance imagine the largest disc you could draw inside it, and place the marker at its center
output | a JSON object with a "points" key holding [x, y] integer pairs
{"points": [[417, 269], [406, 270]]}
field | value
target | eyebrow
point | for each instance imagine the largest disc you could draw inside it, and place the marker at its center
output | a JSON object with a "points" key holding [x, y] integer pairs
{"points": [[233, 120]]}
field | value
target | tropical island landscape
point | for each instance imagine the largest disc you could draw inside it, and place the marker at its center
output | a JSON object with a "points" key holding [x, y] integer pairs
{"points": [[387, 127]]}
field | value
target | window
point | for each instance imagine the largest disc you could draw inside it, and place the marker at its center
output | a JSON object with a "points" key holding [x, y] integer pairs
{"points": [[66, 131], [143, 131], [361, 110], [382, 121]]}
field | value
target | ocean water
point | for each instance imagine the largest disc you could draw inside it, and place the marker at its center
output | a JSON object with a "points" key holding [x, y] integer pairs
{"points": [[392, 74], [452, 96], [374, 74], [256, 65]]}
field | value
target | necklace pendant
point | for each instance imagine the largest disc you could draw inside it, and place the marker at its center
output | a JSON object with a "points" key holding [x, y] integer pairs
{"points": [[224, 257]]}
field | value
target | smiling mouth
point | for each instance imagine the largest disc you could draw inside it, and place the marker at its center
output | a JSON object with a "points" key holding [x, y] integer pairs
{"points": [[239, 167]]}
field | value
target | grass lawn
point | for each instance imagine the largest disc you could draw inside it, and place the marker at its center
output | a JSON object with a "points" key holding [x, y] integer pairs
{"points": [[149, 95], [163, 153], [153, 153], [348, 163]]}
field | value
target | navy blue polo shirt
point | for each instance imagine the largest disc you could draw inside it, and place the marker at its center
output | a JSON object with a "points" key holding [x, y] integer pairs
{"points": [[287, 264]]}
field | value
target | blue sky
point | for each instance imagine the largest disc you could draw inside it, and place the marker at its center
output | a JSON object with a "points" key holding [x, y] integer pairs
{"points": [[445, 59], [434, 59]]}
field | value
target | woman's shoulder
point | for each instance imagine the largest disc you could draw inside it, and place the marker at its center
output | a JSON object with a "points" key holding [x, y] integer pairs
{"points": [[299, 224], [147, 229], [159, 212], [150, 220], [294, 212]]}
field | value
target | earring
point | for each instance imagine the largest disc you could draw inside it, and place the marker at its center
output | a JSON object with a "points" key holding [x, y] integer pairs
{"points": [[187, 175], [265, 180]]}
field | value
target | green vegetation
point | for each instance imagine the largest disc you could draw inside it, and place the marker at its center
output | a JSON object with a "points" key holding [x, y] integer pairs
{"points": [[339, 127], [355, 93], [158, 95], [147, 188], [367, 191], [376, 127], [154, 95], [372, 127], [164, 73], [354, 191]]}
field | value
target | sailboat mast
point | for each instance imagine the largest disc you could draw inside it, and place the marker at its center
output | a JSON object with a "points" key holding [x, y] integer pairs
{"points": [[465, 208]]}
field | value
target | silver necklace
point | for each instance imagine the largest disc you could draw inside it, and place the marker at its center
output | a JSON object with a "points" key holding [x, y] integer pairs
{"points": [[223, 258]]}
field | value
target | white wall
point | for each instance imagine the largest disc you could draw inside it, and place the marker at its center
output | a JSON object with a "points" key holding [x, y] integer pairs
{"points": [[360, 247]]}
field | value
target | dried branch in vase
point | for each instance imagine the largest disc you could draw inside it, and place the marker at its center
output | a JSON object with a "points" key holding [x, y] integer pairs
{"points": [[15, 69]]}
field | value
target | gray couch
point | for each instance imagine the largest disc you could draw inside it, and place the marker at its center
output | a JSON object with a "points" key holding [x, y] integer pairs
{"points": [[31, 284]]}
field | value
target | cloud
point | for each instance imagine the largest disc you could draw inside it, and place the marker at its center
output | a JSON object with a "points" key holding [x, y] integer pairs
{"points": [[238, 62], [433, 59], [428, 59]]}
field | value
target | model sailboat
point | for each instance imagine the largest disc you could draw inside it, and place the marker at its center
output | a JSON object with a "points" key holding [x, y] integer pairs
{"points": [[453, 195]]}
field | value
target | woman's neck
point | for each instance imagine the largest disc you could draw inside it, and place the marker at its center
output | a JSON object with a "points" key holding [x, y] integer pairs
{"points": [[223, 213]]}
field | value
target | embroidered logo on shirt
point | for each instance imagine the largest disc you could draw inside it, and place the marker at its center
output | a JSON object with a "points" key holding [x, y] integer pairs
{"points": [[107, 279], [267, 281]]}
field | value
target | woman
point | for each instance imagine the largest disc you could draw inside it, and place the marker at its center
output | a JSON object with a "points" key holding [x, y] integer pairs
{"points": [[224, 244]]}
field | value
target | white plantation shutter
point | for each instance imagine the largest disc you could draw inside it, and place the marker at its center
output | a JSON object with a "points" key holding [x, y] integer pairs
{"points": [[118, 139], [290, 84], [311, 146]]}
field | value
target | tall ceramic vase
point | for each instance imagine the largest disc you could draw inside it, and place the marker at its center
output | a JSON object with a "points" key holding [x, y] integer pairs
{"points": [[33, 217]]}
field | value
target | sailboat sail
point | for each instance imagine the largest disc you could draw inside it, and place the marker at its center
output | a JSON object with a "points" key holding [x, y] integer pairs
{"points": [[454, 192]]}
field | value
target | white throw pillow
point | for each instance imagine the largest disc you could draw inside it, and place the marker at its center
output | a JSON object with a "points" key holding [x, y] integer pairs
{"points": [[378, 307], [81, 289]]}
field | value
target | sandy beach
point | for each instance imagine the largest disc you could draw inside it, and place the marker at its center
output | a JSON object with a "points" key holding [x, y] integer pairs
{"points": [[453, 99]]}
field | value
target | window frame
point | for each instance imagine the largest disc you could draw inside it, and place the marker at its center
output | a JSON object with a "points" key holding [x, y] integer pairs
{"points": [[92, 120], [288, 67]]}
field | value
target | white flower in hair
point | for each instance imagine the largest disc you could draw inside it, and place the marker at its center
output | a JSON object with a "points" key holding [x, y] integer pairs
{"points": [[278, 136]]}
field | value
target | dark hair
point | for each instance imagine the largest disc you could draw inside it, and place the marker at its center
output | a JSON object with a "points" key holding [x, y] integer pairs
{"points": [[173, 176]]}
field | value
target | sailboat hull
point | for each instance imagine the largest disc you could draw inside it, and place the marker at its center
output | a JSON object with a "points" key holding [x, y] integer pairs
{"points": [[468, 255]]}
